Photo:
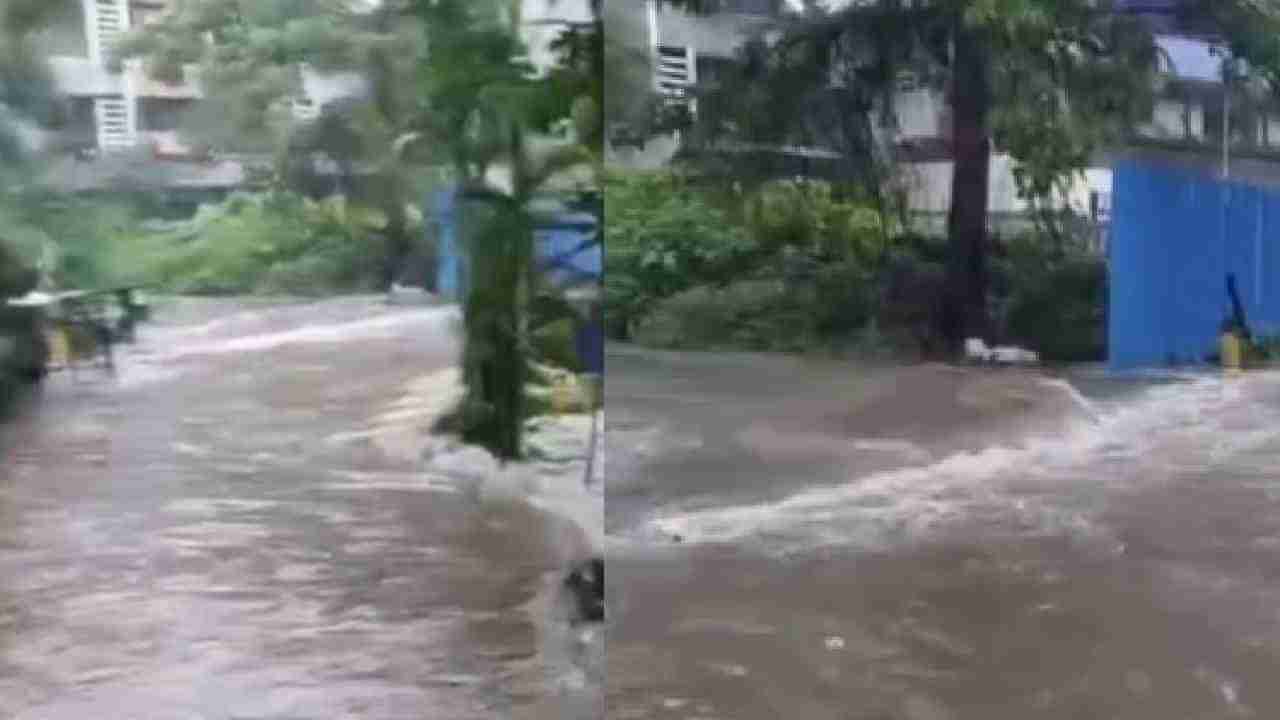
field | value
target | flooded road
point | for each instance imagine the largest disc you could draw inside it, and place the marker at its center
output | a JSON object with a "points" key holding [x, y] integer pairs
{"points": [[217, 533], [791, 539]]}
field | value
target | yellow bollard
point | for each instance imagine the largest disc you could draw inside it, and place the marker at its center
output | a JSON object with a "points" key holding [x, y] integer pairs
{"points": [[1231, 350]]}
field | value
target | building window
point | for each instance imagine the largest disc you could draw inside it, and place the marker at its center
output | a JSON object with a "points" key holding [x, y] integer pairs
{"points": [[713, 70], [675, 72], [1099, 206], [160, 114]]}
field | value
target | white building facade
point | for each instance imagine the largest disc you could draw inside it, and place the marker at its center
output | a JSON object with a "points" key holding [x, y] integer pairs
{"points": [[118, 111]]}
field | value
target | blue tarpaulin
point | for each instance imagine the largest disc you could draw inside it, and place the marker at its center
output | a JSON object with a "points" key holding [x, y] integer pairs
{"points": [[567, 247], [1176, 235]]}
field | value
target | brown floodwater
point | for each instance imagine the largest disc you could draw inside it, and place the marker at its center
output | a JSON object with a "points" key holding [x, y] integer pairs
{"points": [[209, 535], [800, 540]]}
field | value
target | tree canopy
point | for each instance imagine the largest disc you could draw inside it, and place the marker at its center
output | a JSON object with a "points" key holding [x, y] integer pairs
{"points": [[250, 60], [28, 96], [1051, 82]]}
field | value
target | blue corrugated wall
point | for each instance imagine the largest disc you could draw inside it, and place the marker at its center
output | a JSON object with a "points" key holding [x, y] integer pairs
{"points": [[1175, 236]]}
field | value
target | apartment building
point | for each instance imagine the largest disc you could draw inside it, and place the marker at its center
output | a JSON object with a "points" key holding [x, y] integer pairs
{"points": [[123, 125], [683, 50]]}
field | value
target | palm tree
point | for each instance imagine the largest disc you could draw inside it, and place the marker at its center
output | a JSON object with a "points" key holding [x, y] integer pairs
{"points": [[483, 109]]}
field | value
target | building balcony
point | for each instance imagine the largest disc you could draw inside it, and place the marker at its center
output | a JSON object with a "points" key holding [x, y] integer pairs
{"points": [[143, 86], [168, 145]]}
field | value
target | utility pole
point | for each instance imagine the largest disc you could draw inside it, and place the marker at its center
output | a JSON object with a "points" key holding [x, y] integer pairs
{"points": [[1226, 119], [1228, 74]]}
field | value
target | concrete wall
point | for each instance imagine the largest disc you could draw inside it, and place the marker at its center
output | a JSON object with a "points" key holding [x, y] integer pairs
{"points": [[921, 113], [717, 35], [325, 87], [1168, 120], [83, 77], [928, 186]]}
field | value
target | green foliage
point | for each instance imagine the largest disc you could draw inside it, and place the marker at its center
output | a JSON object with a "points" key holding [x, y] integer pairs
{"points": [[28, 96], [274, 243], [252, 70], [752, 315], [1059, 309], [87, 234], [483, 106], [809, 217], [555, 344], [496, 355], [808, 270], [17, 273], [663, 237]]}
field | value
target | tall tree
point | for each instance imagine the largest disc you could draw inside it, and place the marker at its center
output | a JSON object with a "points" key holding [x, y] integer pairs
{"points": [[1050, 81], [250, 56], [28, 102], [28, 96], [487, 111]]}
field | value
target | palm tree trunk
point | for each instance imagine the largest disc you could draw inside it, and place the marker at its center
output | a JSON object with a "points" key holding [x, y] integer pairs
{"points": [[964, 312]]}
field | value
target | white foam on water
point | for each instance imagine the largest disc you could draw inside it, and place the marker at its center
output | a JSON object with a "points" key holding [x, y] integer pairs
{"points": [[1172, 428], [1075, 395], [383, 325]]}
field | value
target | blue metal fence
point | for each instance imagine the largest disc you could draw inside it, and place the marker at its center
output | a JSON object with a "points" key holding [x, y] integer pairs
{"points": [[1176, 235]]}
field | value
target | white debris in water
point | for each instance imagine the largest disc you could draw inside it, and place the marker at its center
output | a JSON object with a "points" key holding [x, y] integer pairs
{"points": [[191, 450], [1138, 682], [339, 332], [730, 669], [408, 295]]}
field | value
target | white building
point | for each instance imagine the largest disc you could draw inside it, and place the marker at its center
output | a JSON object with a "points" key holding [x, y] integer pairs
{"points": [[123, 123], [122, 120]]}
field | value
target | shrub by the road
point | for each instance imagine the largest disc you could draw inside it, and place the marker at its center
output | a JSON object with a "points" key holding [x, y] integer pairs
{"points": [[1061, 312], [276, 243], [792, 266], [663, 237]]}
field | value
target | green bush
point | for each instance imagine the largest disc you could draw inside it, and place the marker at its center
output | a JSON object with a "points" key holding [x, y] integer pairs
{"points": [[911, 297], [751, 315], [845, 299], [663, 237], [22, 350], [275, 243], [555, 344], [807, 216], [1061, 311]]}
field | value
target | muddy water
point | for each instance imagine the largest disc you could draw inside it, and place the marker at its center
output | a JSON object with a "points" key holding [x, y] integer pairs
{"points": [[212, 534], [1111, 552]]}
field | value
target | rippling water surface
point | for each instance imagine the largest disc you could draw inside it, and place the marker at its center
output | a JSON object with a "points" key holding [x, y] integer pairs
{"points": [[213, 535]]}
